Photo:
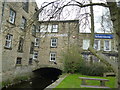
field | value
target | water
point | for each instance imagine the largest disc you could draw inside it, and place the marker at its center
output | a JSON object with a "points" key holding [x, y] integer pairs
{"points": [[41, 79]]}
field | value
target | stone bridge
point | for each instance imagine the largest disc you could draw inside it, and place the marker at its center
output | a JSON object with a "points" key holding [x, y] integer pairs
{"points": [[21, 73], [58, 66]]}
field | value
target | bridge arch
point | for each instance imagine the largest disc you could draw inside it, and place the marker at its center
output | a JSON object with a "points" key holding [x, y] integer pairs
{"points": [[46, 75], [47, 69], [60, 67]]}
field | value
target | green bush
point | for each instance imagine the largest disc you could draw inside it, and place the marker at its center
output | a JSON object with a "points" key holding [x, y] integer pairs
{"points": [[94, 69], [74, 63], [72, 59]]}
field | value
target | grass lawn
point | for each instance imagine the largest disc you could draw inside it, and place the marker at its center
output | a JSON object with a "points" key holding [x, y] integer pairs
{"points": [[72, 81]]}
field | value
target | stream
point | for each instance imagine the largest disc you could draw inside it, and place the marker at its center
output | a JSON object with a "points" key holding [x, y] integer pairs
{"points": [[42, 78]]}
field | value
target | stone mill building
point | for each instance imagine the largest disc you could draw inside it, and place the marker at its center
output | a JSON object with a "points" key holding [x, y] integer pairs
{"points": [[27, 44]]}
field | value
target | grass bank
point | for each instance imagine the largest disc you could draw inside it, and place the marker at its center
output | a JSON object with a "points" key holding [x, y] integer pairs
{"points": [[72, 81]]}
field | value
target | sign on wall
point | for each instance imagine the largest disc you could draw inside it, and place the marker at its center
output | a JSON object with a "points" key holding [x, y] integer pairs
{"points": [[104, 36], [57, 35]]}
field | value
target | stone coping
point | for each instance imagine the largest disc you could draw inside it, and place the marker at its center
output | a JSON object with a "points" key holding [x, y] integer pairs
{"points": [[57, 82]]}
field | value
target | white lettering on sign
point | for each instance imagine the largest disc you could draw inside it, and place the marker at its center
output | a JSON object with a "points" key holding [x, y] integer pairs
{"points": [[57, 35]]}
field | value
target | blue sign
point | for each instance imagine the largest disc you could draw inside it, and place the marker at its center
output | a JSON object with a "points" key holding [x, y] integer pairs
{"points": [[104, 36]]}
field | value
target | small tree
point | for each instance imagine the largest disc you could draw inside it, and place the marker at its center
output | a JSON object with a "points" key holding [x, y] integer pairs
{"points": [[72, 59]]}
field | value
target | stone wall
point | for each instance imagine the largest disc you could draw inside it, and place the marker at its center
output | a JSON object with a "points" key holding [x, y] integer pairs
{"points": [[0, 44], [16, 75], [10, 70], [66, 36]]}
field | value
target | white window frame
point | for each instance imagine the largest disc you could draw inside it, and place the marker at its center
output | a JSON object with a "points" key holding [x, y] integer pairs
{"points": [[54, 44], [36, 44], [109, 45], [98, 44], [85, 43], [49, 28], [8, 43], [12, 16], [23, 23], [54, 28], [43, 28], [37, 29], [51, 56], [46, 28], [35, 55]]}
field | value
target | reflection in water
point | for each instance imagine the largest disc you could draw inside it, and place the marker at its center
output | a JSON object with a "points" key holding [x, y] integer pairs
{"points": [[41, 79]]}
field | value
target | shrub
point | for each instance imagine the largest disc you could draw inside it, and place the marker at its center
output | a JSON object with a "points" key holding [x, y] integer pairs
{"points": [[95, 69], [74, 63], [72, 59]]}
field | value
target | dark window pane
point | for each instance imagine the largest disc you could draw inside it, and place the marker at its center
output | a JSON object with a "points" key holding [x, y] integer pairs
{"points": [[18, 61], [26, 5]]}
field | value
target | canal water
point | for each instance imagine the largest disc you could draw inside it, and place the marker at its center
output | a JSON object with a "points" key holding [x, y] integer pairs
{"points": [[42, 78]]}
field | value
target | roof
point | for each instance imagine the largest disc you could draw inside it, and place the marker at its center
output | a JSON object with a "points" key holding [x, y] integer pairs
{"points": [[59, 21]]}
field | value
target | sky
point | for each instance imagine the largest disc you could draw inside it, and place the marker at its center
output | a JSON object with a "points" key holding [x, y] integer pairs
{"points": [[98, 12]]}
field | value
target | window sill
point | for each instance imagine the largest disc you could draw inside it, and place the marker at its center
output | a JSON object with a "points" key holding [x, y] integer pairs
{"points": [[52, 61], [107, 50], [18, 65], [19, 51], [7, 48], [54, 32], [36, 46], [22, 29], [34, 35], [11, 23], [36, 60], [31, 53], [53, 47], [97, 49], [30, 64], [85, 49]]}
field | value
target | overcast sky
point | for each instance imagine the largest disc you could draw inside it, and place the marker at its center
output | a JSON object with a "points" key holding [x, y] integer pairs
{"points": [[98, 11]]}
